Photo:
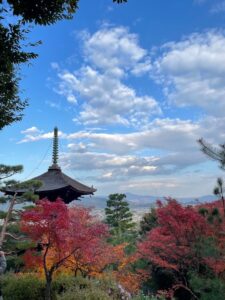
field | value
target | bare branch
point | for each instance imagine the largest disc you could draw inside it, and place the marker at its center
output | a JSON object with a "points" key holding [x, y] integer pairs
{"points": [[13, 236]]}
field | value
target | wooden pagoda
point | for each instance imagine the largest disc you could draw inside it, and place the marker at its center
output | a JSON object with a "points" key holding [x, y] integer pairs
{"points": [[55, 183]]}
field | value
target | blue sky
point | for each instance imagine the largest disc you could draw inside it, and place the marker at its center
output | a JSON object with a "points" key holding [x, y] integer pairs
{"points": [[131, 88]]}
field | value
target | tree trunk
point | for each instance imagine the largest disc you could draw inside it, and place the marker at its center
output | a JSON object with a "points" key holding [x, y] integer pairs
{"points": [[48, 287], [223, 206], [7, 218]]}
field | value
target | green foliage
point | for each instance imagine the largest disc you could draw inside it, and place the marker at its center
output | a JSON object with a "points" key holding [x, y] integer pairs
{"points": [[203, 211], [91, 293], [214, 216], [141, 296], [207, 288], [79, 288], [11, 105], [148, 222], [2, 214], [216, 153], [5, 170], [15, 248], [11, 238], [22, 286], [119, 217], [43, 12], [211, 215], [3, 200], [65, 287], [218, 190], [207, 248]]}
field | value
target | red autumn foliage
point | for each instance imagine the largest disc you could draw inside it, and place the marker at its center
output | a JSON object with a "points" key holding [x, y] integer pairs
{"points": [[62, 232], [88, 236], [47, 223], [173, 243]]}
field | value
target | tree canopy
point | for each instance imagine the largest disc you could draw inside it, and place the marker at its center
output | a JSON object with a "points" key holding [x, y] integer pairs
{"points": [[63, 234]]}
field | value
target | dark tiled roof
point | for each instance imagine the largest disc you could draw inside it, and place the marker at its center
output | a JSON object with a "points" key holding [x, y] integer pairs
{"points": [[55, 179]]}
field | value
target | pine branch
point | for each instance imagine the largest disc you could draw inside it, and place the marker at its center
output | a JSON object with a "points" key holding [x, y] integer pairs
{"points": [[18, 238], [213, 152]]}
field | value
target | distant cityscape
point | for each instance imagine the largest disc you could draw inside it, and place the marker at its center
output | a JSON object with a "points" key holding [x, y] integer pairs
{"points": [[139, 204]]}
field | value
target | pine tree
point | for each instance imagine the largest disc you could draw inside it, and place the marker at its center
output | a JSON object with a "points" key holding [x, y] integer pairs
{"points": [[219, 191], [119, 218], [8, 171], [12, 240], [148, 222]]}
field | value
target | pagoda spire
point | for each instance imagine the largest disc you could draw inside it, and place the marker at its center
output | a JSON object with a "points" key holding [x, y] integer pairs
{"points": [[55, 149]]}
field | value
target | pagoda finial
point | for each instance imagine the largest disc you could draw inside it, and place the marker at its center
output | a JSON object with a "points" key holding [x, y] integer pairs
{"points": [[55, 147]]}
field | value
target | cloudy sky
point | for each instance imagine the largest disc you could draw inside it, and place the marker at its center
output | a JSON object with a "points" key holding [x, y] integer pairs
{"points": [[131, 88]]}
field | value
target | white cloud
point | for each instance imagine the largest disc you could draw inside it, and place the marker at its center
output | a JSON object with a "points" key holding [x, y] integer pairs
{"points": [[111, 166], [162, 134], [176, 138], [108, 101], [111, 55], [193, 72], [104, 161], [165, 149], [31, 130], [33, 135], [159, 151], [116, 50], [184, 185]]}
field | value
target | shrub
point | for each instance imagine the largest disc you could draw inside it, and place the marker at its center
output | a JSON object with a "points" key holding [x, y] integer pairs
{"points": [[79, 288], [29, 286], [84, 294], [207, 288], [144, 297], [22, 286]]}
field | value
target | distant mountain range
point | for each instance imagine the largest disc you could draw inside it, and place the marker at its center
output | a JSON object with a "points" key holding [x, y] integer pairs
{"points": [[136, 202], [141, 202]]}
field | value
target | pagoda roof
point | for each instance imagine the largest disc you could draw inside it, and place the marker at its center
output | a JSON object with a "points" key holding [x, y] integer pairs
{"points": [[55, 183], [54, 179]]}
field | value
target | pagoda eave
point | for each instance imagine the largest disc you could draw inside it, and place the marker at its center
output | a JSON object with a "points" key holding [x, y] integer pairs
{"points": [[67, 194]]}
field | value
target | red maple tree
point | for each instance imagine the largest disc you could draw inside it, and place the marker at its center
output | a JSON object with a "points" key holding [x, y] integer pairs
{"points": [[62, 234], [88, 236], [174, 243]]}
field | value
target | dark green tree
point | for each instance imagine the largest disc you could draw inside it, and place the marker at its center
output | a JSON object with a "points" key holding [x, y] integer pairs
{"points": [[119, 217], [219, 191], [148, 222], [15, 15], [8, 171], [11, 240], [12, 55]]}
